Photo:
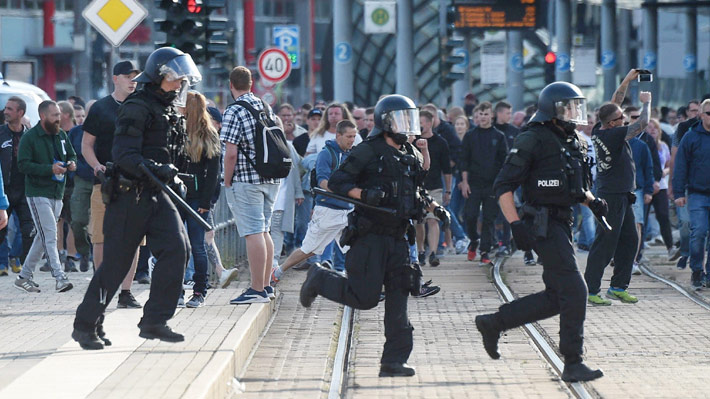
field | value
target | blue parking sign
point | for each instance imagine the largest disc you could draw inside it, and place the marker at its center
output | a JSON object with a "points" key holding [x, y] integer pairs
{"points": [[287, 38]]}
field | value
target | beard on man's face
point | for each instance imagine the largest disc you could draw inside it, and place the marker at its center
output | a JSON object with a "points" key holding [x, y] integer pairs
{"points": [[51, 128]]}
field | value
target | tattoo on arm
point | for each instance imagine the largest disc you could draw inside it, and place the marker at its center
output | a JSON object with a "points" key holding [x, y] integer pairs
{"points": [[620, 94], [638, 126]]}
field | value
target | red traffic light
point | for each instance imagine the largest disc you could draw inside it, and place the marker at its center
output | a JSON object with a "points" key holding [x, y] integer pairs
{"points": [[194, 6], [550, 57]]}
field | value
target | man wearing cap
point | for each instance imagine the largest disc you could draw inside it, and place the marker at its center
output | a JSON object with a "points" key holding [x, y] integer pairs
{"points": [[96, 145]]}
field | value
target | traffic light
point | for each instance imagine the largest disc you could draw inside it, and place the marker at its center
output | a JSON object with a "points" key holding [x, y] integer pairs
{"points": [[447, 57], [190, 27], [549, 66]]}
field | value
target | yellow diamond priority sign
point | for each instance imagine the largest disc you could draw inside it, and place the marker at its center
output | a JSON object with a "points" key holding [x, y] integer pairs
{"points": [[114, 19]]}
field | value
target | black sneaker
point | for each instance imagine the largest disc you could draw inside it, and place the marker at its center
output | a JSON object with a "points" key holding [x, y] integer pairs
{"points": [[682, 263], [102, 335], [422, 258], [530, 258], [87, 339], [46, 267], [428, 290], [433, 260], [84, 263], [126, 300], [396, 370], [485, 258], [579, 372], [70, 265], [489, 333], [696, 280], [504, 251], [143, 279], [161, 332]]}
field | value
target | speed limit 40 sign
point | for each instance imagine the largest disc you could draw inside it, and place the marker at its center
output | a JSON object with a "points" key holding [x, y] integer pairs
{"points": [[274, 65]]}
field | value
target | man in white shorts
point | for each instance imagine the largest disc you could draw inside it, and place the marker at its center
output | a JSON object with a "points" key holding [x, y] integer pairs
{"points": [[330, 216]]}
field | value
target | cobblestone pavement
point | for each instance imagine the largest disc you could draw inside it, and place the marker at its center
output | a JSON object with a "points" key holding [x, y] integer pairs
{"points": [[656, 348]]}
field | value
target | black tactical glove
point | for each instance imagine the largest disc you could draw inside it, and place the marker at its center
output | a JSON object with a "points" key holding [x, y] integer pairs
{"points": [[599, 207], [165, 172], [443, 215], [372, 196], [522, 238]]}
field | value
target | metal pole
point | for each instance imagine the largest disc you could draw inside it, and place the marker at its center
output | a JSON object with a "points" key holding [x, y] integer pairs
{"points": [[460, 87], [650, 47], [564, 40], [405, 49], [82, 52], [443, 92], [239, 33], [515, 87], [342, 52], [303, 19], [623, 27], [608, 49], [690, 60]]}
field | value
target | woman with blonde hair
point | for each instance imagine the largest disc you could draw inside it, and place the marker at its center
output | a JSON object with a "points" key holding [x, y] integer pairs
{"points": [[203, 151], [660, 199], [334, 113]]}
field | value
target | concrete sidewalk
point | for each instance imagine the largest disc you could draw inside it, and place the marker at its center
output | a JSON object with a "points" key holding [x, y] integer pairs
{"points": [[39, 360]]}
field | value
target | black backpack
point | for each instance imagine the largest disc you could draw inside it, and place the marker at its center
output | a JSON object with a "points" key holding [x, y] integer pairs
{"points": [[273, 157], [334, 162]]}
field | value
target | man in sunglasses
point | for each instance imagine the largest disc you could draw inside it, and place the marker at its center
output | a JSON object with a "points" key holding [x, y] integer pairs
{"points": [[690, 174], [616, 183]]}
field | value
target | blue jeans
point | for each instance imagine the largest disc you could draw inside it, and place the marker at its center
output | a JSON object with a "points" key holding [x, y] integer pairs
{"points": [[699, 212], [14, 250], [456, 208], [587, 227], [684, 229], [303, 216], [196, 234]]}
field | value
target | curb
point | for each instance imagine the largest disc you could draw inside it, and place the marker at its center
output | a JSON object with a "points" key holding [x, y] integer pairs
{"points": [[216, 377]]}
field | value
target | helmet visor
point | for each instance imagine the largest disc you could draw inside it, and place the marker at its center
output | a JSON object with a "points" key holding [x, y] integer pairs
{"points": [[404, 121], [181, 67], [573, 110]]}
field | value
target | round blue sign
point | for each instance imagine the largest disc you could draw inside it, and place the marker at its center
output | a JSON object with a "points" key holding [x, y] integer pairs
{"points": [[608, 59], [563, 62], [463, 53], [343, 52], [650, 60], [516, 62], [690, 63]]}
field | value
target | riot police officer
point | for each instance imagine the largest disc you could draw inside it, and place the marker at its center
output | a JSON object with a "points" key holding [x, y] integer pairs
{"points": [[547, 161], [148, 127], [383, 171]]}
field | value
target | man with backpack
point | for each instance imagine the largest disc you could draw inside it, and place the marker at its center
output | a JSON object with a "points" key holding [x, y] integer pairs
{"points": [[256, 158], [330, 216]]}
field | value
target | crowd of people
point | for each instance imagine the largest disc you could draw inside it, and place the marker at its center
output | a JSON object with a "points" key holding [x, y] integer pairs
{"points": [[645, 162]]}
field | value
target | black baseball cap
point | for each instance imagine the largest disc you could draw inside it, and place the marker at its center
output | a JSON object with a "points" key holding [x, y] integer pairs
{"points": [[314, 112], [125, 68], [215, 114]]}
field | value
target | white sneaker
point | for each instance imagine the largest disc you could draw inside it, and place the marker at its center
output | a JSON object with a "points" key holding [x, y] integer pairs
{"points": [[635, 270], [188, 285], [228, 275]]}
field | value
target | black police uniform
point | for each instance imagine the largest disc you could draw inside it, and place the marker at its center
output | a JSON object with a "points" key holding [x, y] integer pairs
{"points": [[146, 124], [551, 167], [379, 253]]}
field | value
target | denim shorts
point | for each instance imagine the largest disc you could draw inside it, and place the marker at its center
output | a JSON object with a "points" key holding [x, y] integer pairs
{"points": [[251, 206], [638, 207]]}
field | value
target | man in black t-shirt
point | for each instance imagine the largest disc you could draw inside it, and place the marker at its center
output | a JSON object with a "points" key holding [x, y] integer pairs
{"points": [[96, 145], [616, 183], [482, 155], [440, 165]]}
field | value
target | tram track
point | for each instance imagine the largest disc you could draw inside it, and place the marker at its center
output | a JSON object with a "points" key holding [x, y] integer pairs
{"points": [[688, 294], [537, 335]]}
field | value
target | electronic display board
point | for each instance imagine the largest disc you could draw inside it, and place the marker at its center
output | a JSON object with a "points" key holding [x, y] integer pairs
{"points": [[497, 14]]}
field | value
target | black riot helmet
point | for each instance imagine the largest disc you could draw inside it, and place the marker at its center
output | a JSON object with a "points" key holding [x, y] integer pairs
{"points": [[171, 64], [396, 114], [562, 101]]}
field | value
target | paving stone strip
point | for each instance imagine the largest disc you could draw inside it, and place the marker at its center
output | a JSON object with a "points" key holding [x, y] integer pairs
{"points": [[655, 348]]}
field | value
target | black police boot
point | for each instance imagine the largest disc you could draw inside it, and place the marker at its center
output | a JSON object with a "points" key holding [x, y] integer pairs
{"points": [[579, 372], [490, 334], [102, 335], [396, 370], [309, 289], [161, 332], [87, 339]]}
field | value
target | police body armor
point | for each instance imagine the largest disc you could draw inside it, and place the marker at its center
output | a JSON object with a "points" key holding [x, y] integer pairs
{"points": [[165, 137], [559, 176]]}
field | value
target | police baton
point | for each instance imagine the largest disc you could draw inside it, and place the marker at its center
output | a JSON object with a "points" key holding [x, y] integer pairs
{"points": [[325, 193], [602, 222], [179, 202]]}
